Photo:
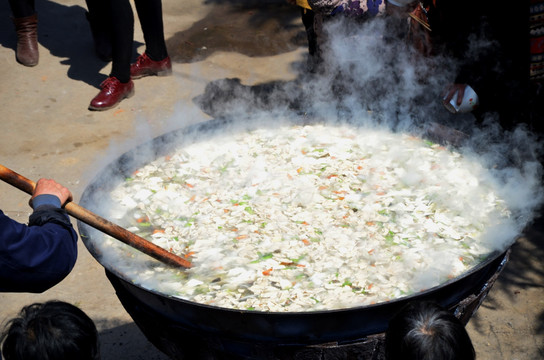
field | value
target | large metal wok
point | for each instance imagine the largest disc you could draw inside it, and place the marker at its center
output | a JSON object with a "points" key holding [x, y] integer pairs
{"points": [[187, 330]]}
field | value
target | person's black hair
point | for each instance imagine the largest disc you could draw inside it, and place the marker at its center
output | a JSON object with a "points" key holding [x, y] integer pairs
{"points": [[423, 330], [53, 330]]}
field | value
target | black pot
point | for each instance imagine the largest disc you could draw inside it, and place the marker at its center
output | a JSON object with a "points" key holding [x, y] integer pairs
{"points": [[187, 330]]}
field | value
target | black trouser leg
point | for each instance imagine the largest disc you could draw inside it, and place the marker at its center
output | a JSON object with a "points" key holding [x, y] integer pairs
{"points": [[150, 15], [122, 38], [22, 8], [307, 17], [100, 9], [100, 21]]}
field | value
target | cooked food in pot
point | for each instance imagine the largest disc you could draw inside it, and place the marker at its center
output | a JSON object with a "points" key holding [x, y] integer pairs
{"points": [[305, 218]]}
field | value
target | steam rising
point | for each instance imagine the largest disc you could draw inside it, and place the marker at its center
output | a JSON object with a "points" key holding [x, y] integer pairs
{"points": [[374, 79]]}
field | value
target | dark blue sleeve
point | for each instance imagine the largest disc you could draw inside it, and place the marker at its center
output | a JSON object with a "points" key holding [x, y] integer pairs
{"points": [[36, 257]]}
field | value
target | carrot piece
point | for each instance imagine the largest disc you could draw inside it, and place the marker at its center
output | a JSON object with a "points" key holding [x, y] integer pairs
{"points": [[189, 254], [189, 185], [241, 237], [156, 231], [306, 241], [267, 272]]}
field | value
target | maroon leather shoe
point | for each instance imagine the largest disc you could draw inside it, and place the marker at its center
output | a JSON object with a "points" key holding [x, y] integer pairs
{"points": [[113, 91], [144, 66]]}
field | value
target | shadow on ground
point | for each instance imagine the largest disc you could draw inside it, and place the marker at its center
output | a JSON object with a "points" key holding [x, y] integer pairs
{"points": [[125, 341], [65, 33], [522, 275], [251, 28]]}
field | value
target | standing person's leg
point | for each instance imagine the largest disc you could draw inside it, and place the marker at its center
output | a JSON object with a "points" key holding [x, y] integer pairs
{"points": [[22, 8], [155, 59], [99, 16], [118, 85], [308, 20], [150, 15], [122, 38], [26, 27], [307, 17]]}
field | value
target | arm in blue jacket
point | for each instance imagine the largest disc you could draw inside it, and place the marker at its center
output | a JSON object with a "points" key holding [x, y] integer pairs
{"points": [[36, 257]]}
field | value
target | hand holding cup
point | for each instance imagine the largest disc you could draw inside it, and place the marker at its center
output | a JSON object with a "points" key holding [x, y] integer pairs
{"points": [[461, 98]]}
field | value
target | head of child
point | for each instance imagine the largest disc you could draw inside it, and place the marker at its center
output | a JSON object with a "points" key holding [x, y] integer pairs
{"points": [[425, 331], [52, 330]]}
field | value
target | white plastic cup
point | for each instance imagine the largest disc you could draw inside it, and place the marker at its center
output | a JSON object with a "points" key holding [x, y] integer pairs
{"points": [[469, 103]]}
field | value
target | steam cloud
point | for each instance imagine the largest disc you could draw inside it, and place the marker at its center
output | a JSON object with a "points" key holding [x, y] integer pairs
{"points": [[371, 79]]}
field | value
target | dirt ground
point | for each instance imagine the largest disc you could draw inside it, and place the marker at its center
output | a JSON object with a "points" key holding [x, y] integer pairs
{"points": [[47, 131]]}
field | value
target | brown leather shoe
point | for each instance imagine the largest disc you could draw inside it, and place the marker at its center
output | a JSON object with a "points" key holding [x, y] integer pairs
{"points": [[113, 91], [27, 40], [144, 66]]}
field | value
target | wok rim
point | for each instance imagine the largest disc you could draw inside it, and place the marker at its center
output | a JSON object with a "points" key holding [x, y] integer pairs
{"points": [[156, 145]]}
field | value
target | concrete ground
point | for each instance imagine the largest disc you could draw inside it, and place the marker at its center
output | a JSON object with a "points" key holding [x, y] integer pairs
{"points": [[47, 131]]}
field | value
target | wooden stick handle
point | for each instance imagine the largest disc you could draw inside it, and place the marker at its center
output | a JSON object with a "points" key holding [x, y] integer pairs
{"points": [[100, 223]]}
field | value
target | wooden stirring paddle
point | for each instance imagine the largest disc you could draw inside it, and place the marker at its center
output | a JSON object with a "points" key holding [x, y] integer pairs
{"points": [[99, 223]]}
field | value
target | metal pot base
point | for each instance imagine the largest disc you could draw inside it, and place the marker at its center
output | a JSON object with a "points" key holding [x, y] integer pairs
{"points": [[183, 343]]}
